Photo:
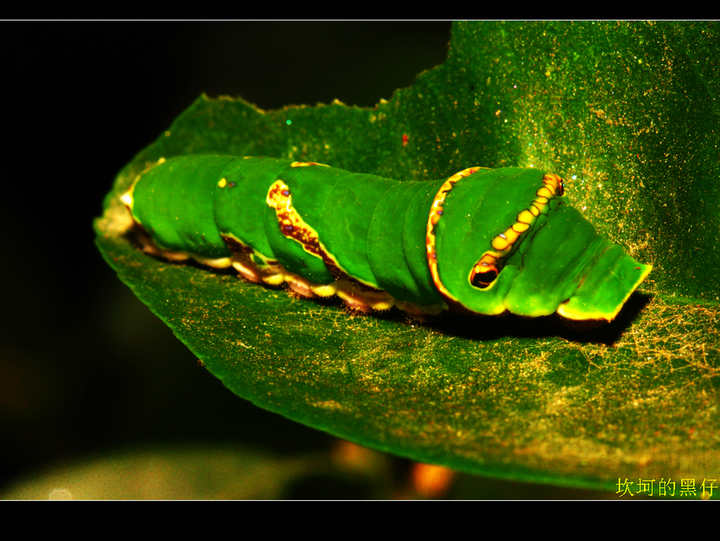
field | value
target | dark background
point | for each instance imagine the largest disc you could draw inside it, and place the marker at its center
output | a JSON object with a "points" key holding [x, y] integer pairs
{"points": [[85, 368]]}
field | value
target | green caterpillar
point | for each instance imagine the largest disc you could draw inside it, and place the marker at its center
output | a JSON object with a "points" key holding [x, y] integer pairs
{"points": [[483, 241]]}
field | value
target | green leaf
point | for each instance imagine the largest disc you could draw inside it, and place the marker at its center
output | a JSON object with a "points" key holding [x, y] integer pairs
{"points": [[627, 113]]}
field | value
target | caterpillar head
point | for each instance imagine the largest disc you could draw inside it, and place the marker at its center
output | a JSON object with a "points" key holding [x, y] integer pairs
{"points": [[506, 240]]}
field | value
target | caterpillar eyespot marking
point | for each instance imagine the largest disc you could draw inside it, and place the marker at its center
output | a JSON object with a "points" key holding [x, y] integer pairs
{"points": [[484, 241]]}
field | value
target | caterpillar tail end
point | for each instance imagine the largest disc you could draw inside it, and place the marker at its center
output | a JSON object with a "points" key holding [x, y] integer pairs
{"points": [[607, 286]]}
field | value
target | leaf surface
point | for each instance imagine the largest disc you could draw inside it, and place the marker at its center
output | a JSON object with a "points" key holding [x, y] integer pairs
{"points": [[627, 113]]}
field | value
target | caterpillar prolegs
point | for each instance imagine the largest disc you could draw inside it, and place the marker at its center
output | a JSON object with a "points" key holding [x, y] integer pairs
{"points": [[484, 241]]}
